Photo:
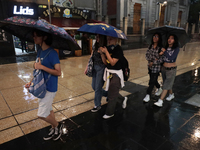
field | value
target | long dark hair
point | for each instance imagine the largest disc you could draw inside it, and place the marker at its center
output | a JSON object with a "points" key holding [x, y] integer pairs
{"points": [[159, 41], [102, 42], [40, 33], [176, 44]]}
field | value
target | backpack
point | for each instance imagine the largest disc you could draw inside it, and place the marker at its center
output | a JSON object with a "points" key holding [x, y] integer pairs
{"points": [[125, 68], [38, 84]]}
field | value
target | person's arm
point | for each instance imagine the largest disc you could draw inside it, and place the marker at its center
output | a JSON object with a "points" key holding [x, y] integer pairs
{"points": [[56, 71], [173, 57], [27, 85], [112, 61], [162, 51], [158, 61], [103, 56], [148, 55]]}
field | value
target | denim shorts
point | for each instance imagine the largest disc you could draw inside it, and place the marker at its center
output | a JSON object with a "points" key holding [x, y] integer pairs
{"points": [[168, 75], [45, 104]]}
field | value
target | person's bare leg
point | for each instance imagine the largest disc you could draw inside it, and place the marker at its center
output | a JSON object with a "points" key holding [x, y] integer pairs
{"points": [[52, 115], [163, 94], [170, 91], [50, 120]]}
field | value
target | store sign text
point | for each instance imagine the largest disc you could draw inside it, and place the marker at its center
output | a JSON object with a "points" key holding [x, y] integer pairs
{"points": [[54, 10], [80, 12], [23, 11]]}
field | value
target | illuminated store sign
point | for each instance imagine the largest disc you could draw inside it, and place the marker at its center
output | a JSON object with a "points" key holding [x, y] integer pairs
{"points": [[23, 11]]}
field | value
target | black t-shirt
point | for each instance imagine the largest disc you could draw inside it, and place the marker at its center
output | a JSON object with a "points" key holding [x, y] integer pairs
{"points": [[115, 51]]}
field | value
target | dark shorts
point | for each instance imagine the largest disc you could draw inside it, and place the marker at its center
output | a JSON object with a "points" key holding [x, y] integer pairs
{"points": [[168, 75]]}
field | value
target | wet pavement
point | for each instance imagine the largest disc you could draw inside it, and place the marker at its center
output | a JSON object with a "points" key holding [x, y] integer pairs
{"points": [[141, 126]]}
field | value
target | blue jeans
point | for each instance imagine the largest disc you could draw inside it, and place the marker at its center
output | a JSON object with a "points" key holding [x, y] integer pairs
{"points": [[97, 83]]}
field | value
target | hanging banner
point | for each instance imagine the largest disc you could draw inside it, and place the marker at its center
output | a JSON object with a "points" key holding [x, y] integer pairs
{"points": [[64, 3]]}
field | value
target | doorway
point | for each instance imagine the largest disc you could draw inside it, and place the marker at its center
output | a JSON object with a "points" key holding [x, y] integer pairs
{"points": [[23, 47], [162, 16], [136, 18]]}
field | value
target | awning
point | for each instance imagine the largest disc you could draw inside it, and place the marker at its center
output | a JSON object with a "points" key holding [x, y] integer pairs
{"points": [[70, 23]]}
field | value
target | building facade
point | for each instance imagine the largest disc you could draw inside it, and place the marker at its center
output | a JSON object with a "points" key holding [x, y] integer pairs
{"points": [[69, 14], [151, 13]]}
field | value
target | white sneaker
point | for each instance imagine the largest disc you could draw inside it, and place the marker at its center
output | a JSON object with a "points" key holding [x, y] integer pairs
{"points": [[158, 92], [159, 103], [124, 104], [147, 98], [170, 97], [107, 117]]}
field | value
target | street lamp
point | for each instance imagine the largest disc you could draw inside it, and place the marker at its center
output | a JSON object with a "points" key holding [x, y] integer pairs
{"points": [[49, 11], [160, 4], [199, 22]]}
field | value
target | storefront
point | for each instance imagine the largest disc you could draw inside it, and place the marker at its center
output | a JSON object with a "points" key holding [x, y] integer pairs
{"points": [[23, 9], [71, 19]]}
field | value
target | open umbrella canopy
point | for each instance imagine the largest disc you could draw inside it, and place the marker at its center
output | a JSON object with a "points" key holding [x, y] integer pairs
{"points": [[103, 29], [165, 31], [23, 28]]}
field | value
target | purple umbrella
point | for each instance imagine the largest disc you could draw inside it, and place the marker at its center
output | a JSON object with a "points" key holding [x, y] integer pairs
{"points": [[23, 27]]}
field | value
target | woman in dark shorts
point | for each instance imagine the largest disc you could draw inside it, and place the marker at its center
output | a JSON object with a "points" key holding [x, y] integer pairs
{"points": [[169, 68]]}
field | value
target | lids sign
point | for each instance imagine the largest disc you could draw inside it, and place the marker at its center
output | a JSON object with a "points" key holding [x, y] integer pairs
{"points": [[23, 11]]}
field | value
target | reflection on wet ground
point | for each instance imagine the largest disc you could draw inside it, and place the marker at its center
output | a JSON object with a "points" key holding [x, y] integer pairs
{"points": [[17, 59], [140, 126]]}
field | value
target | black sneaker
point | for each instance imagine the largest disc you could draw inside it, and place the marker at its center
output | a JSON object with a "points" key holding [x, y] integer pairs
{"points": [[95, 109], [58, 132], [50, 135]]}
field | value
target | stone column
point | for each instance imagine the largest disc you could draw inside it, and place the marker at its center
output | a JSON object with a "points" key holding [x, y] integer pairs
{"points": [[186, 27], [169, 23], [143, 26], [106, 19], [178, 24], [99, 18], [125, 25], [193, 28], [156, 23]]}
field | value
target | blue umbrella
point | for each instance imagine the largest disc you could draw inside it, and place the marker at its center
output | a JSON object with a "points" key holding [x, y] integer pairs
{"points": [[23, 28], [165, 31], [103, 29]]}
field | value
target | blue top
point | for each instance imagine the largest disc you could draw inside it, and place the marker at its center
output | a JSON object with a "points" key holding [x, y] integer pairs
{"points": [[169, 56], [49, 61]]}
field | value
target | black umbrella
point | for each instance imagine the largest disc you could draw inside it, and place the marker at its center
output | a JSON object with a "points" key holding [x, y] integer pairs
{"points": [[165, 31], [23, 27]]}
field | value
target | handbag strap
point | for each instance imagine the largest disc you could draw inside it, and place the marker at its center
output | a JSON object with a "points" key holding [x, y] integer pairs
{"points": [[45, 55], [41, 62]]}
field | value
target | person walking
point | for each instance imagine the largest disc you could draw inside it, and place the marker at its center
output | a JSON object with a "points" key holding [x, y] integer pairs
{"points": [[98, 70], [49, 65], [113, 74], [169, 68], [153, 69], [23, 45]]}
